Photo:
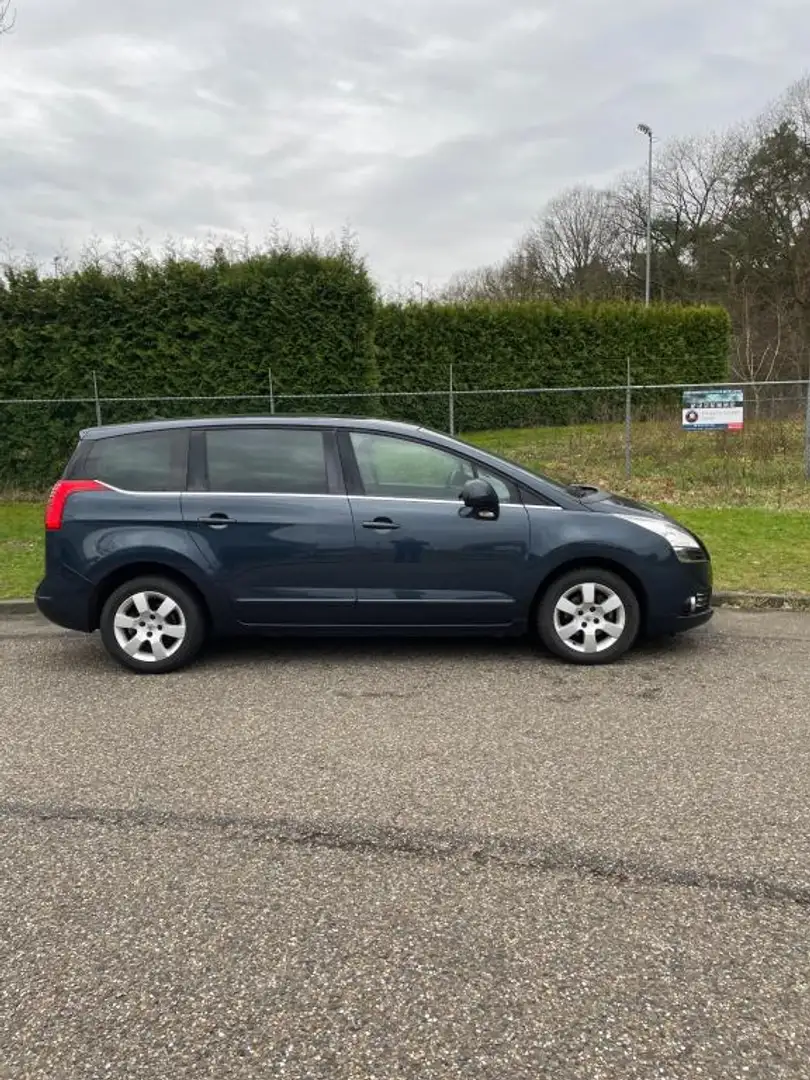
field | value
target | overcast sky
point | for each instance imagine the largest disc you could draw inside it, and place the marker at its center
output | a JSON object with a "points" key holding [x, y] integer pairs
{"points": [[436, 128]]}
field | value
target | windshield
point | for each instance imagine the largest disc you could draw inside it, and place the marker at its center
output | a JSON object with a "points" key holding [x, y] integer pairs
{"points": [[570, 489]]}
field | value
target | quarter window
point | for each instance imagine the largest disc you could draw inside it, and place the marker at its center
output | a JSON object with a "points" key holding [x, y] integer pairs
{"points": [[272, 460], [142, 461]]}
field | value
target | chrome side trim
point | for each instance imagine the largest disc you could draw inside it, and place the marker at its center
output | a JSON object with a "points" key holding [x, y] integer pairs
{"points": [[300, 495], [295, 600], [433, 600]]}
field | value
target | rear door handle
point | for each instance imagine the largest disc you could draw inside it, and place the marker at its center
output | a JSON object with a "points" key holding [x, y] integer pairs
{"points": [[217, 521], [381, 524]]}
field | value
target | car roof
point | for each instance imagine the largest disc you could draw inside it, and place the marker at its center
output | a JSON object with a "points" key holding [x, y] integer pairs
{"points": [[106, 431]]}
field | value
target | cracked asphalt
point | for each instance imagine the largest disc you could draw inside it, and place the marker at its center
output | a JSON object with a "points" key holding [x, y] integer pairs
{"points": [[383, 860]]}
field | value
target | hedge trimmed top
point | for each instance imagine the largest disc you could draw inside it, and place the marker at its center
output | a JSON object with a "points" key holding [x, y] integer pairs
{"points": [[525, 345], [184, 328], [544, 344]]}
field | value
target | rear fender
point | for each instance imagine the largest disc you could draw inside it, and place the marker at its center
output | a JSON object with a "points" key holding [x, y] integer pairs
{"points": [[114, 558]]}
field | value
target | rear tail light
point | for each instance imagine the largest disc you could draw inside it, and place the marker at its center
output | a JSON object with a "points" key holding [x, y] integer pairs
{"points": [[60, 494]]}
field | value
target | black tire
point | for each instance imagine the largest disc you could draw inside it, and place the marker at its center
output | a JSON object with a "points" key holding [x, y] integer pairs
{"points": [[188, 618], [589, 617]]}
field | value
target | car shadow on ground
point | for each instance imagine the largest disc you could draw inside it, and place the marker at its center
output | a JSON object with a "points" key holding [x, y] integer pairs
{"points": [[82, 651], [252, 651]]}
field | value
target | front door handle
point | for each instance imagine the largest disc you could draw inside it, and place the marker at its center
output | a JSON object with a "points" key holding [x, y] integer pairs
{"points": [[381, 524], [217, 521]]}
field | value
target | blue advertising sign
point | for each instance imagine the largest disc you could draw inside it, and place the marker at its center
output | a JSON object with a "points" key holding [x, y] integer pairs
{"points": [[713, 410]]}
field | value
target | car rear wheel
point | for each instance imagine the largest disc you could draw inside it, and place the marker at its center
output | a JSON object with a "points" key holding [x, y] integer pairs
{"points": [[589, 616], [152, 625]]}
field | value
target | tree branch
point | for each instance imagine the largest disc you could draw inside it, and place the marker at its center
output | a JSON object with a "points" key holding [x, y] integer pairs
{"points": [[8, 16]]}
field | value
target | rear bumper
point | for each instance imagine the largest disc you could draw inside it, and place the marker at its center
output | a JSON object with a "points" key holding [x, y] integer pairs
{"points": [[66, 602]]}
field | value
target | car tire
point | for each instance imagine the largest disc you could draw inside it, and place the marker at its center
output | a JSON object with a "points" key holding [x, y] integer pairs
{"points": [[588, 616], [152, 625]]}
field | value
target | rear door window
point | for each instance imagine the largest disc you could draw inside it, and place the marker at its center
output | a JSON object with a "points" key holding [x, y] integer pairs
{"points": [[282, 461], [142, 461]]}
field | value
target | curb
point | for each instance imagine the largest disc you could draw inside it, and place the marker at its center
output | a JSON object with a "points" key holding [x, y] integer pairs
{"points": [[759, 601], [745, 601], [10, 608]]}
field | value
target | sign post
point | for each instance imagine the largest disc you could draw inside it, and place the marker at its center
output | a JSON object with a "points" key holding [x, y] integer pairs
{"points": [[713, 410]]}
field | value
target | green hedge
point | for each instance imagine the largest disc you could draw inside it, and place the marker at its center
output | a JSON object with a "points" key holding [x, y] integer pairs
{"points": [[503, 346], [179, 328], [185, 328]]}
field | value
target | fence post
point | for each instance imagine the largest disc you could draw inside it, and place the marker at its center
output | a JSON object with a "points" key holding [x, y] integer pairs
{"points": [[807, 433], [628, 426], [272, 397], [452, 405], [98, 400]]}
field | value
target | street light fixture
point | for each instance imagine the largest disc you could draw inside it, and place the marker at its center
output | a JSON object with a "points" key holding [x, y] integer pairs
{"points": [[645, 129]]}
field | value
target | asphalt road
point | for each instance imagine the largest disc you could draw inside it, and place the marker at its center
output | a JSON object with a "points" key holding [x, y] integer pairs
{"points": [[383, 861]]}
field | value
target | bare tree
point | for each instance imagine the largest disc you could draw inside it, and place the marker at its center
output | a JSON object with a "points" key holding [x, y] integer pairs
{"points": [[486, 283], [758, 342], [696, 191], [793, 107], [8, 16], [572, 251], [697, 178], [575, 246]]}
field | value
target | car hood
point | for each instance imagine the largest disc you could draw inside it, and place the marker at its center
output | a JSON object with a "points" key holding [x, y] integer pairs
{"points": [[606, 502]]}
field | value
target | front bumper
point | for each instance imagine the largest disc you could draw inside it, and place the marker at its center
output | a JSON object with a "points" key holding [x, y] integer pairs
{"points": [[680, 598], [690, 622]]}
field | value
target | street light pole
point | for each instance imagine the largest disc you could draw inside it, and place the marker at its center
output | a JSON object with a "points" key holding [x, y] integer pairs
{"points": [[645, 129], [421, 287]]}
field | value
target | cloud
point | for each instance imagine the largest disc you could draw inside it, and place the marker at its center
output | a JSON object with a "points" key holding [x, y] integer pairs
{"points": [[436, 128]]}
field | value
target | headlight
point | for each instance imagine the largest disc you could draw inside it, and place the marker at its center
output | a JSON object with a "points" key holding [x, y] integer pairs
{"points": [[685, 546]]}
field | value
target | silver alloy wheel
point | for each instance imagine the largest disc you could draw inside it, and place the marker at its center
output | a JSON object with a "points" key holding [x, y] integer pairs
{"points": [[589, 618], [149, 626]]}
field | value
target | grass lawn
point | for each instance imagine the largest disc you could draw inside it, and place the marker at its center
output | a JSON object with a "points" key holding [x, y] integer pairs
{"points": [[754, 549], [21, 544]]}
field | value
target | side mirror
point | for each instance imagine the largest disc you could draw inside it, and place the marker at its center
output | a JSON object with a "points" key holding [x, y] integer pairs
{"points": [[481, 499]]}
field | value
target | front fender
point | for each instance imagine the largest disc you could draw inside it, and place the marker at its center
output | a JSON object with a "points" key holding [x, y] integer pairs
{"points": [[562, 543]]}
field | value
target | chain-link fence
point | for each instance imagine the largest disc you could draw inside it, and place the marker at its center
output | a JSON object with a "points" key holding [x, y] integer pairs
{"points": [[617, 434]]}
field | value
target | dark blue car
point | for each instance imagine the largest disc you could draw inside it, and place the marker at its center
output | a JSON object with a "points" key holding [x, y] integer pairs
{"points": [[161, 534]]}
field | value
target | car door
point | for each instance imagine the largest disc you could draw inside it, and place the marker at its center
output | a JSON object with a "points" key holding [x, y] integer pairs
{"points": [[269, 511], [422, 560]]}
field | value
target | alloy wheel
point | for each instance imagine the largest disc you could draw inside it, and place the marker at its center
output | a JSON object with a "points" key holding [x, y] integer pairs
{"points": [[589, 618], [149, 626]]}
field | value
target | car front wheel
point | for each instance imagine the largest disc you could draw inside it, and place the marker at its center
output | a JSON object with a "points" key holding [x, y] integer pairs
{"points": [[589, 616], [152, 626]]}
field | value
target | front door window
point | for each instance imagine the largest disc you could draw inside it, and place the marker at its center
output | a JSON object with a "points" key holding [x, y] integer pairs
{"points": [[396, 468]]}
